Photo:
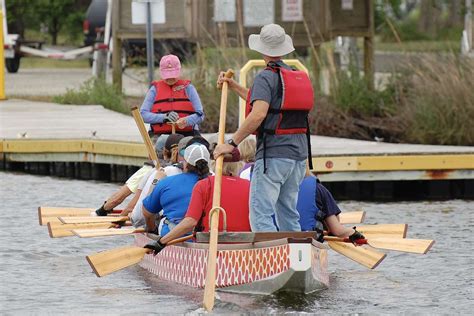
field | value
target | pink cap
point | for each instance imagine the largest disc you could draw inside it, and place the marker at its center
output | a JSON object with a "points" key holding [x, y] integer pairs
{"points": [[170, 67]]}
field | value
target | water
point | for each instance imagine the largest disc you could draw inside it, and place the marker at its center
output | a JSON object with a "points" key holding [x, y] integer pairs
{"points": [[40, 275]]}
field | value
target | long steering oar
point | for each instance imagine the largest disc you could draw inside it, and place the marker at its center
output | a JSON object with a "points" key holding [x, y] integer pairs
{"points": [[367, 257], [210, 284], [57, 229], [146, 138], [406, 245], [356, 217], [91, 232], [109, 261]]}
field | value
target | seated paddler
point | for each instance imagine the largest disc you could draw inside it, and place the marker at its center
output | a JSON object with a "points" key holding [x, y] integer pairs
{"points": [[234, 200], [319, 211], [173, 194]]}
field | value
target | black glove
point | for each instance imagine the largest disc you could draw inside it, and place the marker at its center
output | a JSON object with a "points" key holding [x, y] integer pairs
{"points": [[171, 117], [356, 236], [156, 246], [101, 211]]}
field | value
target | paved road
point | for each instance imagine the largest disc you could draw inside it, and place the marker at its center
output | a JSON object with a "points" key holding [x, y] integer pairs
{"points": [[54, 81]]}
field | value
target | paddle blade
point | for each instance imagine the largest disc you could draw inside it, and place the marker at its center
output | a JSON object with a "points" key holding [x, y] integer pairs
{"points": [[58, 229], [106, 262], [364, 256], [384, 230], [406, 245], [91, 219], [48, 214], [352, 217], [87, 233]]}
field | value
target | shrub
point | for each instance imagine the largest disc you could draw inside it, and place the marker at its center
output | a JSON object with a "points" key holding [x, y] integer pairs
{"points": [[352, 95], [95, 91], [437, 97]]}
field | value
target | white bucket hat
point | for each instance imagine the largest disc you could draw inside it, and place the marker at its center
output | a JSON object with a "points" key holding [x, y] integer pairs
{"points": [[193, 153], [272, 41]]}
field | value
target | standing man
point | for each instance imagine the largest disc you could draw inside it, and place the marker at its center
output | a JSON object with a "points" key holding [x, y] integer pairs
{"points": [[278, 104]]}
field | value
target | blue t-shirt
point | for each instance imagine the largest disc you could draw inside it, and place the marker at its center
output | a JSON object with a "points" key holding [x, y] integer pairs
{"points": [[172, 195], [312, 197]]}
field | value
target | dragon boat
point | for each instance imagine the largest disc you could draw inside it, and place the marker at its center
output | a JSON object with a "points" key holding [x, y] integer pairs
{"points": [[284, 264]]}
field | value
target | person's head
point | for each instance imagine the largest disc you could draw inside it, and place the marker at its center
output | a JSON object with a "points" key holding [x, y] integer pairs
{"points": [[272, 42], [247, 150], [170, 69], [196, 160], [170, 151], [160, 145], [183, 143]]}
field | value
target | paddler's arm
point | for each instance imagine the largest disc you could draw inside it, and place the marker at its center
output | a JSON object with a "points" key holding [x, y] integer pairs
{"points": [[184, 227], [250, 125], [337, 229], [233, 85]]}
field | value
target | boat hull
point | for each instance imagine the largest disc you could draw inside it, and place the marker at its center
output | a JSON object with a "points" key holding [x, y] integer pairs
{"points": [[259, 268]]}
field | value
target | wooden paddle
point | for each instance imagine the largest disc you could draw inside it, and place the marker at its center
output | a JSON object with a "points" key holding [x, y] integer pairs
{"points": [[51, 214], [352, 217], [385, 230], [406, 245], [106, 262], [101, 232], [364, 256], [57, 229], [146, 138], [173, 127], [210, 283], [92, 219]]}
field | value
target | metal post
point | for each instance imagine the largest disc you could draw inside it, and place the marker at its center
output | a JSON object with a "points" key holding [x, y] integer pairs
{"points": [[150, 51], [468, 23], [2, 61]]}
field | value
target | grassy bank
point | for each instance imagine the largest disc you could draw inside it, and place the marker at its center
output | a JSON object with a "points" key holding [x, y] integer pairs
{"points": [[430, 101]]}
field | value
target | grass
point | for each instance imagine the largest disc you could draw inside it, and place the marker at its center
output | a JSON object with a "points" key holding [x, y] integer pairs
{"points": [[95, 91], [437, 99], [38, 62]]}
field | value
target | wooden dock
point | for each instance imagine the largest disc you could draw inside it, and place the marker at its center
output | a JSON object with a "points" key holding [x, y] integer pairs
{"points": [[97, 143]]}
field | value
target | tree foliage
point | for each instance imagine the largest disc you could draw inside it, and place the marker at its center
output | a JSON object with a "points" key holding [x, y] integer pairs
{"points": [[55, 16]]}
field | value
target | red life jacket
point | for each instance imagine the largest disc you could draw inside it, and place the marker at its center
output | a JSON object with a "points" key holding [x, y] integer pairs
{"points": [[171, 98], [297, 97], [297, 100]]}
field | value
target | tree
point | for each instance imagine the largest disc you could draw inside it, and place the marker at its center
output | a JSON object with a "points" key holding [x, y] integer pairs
{"points": [[54, 14]]}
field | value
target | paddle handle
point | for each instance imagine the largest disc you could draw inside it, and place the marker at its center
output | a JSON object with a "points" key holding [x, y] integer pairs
{"points": [[345, 239], [210, 283], [146, 138], [229, 74]]}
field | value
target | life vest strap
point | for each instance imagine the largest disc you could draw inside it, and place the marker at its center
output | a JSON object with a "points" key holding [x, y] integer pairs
{"points": [[171, 100]]}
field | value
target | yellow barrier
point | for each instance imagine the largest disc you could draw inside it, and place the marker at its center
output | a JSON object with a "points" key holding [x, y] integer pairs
{"points": [[259, 63], [2, 60]]}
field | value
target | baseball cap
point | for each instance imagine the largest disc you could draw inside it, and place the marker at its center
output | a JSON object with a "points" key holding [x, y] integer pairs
{"points": [[173, 140], [183, 143], [195, 153], [198, 140], [170, 67], [160, 142]]}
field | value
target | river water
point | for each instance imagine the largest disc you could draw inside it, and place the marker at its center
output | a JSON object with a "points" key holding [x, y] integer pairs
{"points": [[40, 275]]}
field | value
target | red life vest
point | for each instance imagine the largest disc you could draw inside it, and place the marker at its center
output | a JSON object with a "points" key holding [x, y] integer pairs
{"points": [[297, 100], [171, 98]]}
